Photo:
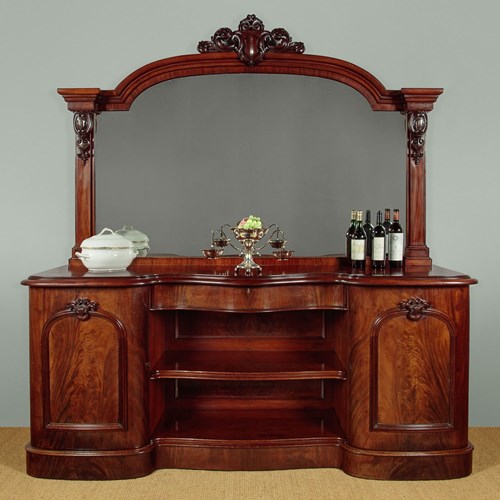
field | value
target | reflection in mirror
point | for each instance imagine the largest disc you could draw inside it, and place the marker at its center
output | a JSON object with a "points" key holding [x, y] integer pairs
{"points": [[195, 153]]}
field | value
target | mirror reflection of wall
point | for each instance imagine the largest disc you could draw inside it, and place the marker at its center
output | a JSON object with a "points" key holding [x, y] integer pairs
{"points": [[195, 153]]}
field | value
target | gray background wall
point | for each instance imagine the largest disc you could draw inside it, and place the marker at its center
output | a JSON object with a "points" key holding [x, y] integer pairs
{"points": [[64, 43]]}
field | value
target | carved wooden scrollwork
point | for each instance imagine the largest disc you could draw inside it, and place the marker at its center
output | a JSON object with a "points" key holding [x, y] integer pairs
{"points": [[251, 41], [83, 123], [415, 307], [82, 308], [417, 127]]}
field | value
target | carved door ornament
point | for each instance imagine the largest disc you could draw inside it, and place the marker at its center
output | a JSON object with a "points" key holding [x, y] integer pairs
{"points": [[251, 41], [415, 307], [82, 308]]}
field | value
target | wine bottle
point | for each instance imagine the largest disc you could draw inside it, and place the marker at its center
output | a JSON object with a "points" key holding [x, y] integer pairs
{"points": [[368, 227], [387, 226], [358, 243], [396, 242], [350, 233], [378, 253]]}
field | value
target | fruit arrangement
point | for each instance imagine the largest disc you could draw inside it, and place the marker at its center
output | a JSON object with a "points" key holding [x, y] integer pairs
{"points": [[250, 222]]}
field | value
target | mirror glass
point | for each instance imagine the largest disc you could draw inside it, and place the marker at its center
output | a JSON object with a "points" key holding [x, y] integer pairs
{"points": [[195, 153]]}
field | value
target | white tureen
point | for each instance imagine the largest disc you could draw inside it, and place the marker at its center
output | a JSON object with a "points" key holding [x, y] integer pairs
{"points": [[107, 251]]}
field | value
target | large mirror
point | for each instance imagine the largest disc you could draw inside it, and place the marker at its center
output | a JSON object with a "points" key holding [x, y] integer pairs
{"points": [[194, 153]]}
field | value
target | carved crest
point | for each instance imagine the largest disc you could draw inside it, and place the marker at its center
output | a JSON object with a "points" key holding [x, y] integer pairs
{"points": [[251, 41], [82, 308], [417, 127], [415, 307], [83, 123]]}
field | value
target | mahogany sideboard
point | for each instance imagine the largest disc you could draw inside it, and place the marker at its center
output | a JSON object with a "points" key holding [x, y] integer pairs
{"points": [[307, 365], [179, 362]]}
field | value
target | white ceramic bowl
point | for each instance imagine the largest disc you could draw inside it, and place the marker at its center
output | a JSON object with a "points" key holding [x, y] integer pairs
{"points": [[107, 251]]}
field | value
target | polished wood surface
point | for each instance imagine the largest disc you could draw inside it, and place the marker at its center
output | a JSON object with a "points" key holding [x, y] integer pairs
{"points": [[238, 365], [144, 271], [320, 367], [264, 427], [88, 384]]}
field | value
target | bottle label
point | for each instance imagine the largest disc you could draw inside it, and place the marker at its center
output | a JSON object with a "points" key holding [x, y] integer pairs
{"points": [[378, 252], [358, 249], [396, 246]]}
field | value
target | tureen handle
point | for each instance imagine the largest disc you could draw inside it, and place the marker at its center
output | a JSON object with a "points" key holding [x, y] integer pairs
{"points": [[81, 256]]}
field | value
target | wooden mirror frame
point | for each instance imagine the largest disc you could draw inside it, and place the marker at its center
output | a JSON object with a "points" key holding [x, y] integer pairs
{"points": [[252, 49]]}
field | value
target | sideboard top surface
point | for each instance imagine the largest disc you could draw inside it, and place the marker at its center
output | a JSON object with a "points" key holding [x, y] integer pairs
{"points": [[221, 271]]}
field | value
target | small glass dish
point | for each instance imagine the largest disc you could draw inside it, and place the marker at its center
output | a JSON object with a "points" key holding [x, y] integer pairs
{"points": [[283, 254]]}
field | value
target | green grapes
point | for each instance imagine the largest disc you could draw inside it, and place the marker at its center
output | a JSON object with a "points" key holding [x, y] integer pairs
{"points": [[250, 222]]}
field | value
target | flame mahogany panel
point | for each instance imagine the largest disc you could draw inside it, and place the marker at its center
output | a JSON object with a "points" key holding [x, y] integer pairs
{"points": [[409, 386], [84, 374], [412, 366], [89, 389]]}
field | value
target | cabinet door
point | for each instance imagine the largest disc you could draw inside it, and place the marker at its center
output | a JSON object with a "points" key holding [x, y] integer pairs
{"points": [[88, 377], [409, 368]]}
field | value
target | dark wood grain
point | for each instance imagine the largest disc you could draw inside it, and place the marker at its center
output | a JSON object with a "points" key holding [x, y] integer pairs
{"points": [[250, 428], [229, 395], [409, 374], [219, 326], [84, 376], [88, 386], [246, 298], [413, 362]]}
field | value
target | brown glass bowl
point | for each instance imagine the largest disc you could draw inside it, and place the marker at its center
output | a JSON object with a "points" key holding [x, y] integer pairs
{"points": [[220, 242], [277, 243], [212, 253], [283, 254]]}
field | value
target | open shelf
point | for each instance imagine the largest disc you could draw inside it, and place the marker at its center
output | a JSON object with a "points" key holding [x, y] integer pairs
{"points": [[249, 427], [240, 365]]}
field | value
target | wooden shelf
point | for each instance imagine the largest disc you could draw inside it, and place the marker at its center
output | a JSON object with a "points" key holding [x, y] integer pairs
{"points": [[249, 427], [241, 365]]}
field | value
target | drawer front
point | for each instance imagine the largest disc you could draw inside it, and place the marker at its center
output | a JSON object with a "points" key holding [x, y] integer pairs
{"points": [[249, 298]]}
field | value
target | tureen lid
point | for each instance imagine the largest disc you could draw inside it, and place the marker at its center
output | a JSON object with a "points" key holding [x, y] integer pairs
{"points": [[132, 234], [107, 238]]}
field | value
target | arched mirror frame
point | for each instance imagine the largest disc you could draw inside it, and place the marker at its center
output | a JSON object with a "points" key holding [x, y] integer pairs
{"points": [[252, 49]]}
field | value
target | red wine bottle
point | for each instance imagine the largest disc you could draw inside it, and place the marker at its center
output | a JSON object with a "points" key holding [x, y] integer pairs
{"points": [[358, 243], [378, 253], [368, 227], [396, 242], [387, 226], [350, 233]]}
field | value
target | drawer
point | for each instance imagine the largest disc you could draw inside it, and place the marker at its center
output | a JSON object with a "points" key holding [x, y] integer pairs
{"points": [[249, 298]]}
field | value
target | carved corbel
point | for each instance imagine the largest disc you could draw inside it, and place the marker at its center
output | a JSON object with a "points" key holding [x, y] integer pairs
{"points": [[415, 307], [251, 41], [416, 129], [82, 308], [83, 124]]}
